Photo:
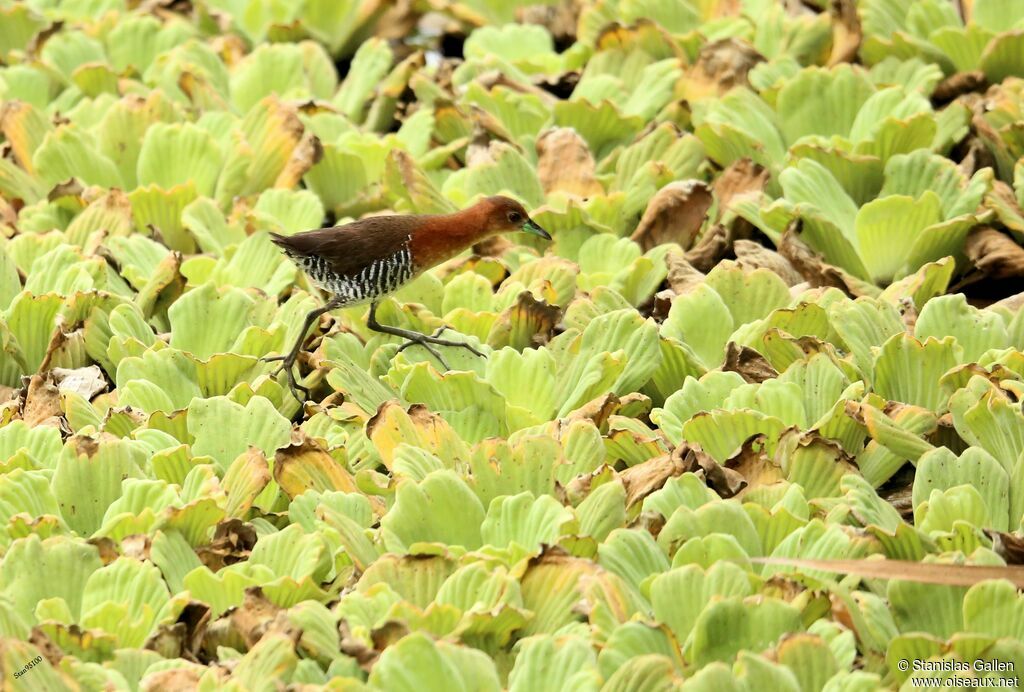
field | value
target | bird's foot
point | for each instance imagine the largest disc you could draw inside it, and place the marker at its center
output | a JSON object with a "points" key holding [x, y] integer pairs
{"points": [[287, 365], [425, 340], [413, 341]]}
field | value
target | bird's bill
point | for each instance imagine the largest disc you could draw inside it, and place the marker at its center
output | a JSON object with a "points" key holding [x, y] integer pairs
{"points": [[531, 227]]}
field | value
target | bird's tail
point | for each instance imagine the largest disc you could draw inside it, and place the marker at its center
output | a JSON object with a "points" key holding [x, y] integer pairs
{"points": [[279, 240]]}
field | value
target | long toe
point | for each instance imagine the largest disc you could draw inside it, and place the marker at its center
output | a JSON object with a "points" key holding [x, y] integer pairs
{"points": [[472, 350], [272, 359], [294, 387], [437, 354], [459, 344]]}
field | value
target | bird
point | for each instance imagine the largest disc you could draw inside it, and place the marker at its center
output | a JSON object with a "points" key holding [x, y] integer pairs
{"points": [[366, 260]]}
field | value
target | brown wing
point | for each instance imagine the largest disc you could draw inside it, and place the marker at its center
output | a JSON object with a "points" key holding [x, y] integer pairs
{"points": [[350, 248]]}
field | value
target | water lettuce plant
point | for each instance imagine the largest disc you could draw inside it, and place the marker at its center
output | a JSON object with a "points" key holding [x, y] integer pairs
{"points": [[746, 354]]}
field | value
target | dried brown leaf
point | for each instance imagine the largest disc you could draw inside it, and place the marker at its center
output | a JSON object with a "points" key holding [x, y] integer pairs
{"points": [[106, 547], [751, 255], [387, 634], [846, 31], [742, 177], [674, 215], [1009, 546], [353, 646], [306, 154], [559, 18], [254, 617], [304, 465], [748, 363], [68, 188], [994, 253], [754, 465], [646, 477], [397, 22], [47, 648], [87, 382], [682, 276], [171, 680], [63, 346], [721, 65], [1002, 200], [526, 323], [726, 482], [596, 410], [710, 249], [816, 271], [232, 542], [576, 490], [136, 546], [565, 163], [957, 85], [42, 402], [404, 179]]}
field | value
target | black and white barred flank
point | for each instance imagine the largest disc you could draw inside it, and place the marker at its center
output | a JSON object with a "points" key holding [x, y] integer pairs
{"points": [[378, 278]]}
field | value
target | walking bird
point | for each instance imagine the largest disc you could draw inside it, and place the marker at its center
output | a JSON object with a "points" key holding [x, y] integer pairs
{"points": [[363, 261]]}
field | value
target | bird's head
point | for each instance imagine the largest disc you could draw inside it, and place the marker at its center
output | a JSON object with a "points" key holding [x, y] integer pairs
{"points": [[506, 215]]}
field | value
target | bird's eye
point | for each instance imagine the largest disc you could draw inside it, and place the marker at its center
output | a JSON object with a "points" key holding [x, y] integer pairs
{"points": [[514, 217]]}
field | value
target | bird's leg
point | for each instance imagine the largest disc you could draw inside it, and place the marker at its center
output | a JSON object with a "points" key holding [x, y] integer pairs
{"points": [[412, 337], [288, 360]]}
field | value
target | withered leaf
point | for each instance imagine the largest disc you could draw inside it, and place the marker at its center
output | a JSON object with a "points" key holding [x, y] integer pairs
{"points": [[1009, 546], [172, 680], [682, 276], [87, 382], [721, 65], [754, 465], [710, 249], [353, 646], [254, 617], [559, 18], [741, 177], [232, 542], [748, 363], [846, 31], [528, 322], [404, 179], [596, 410], [994, 253], [751, 255], [726, 482], [646, 477], [565, 163], [304, 465], [46, 647], [42, 402], [815, 270], [958, 84], [1003, 201], [674, 215]]}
